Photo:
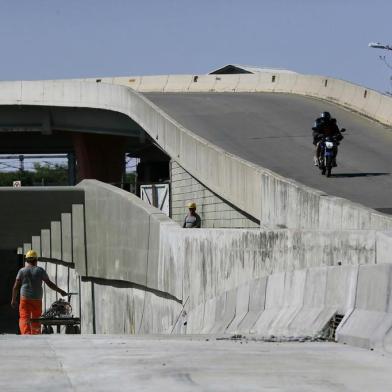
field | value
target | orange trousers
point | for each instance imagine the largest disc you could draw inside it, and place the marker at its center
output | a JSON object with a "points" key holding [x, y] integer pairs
{"points": [[29, 308]]}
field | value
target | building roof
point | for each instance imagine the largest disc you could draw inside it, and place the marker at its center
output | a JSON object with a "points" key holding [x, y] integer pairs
{"points": [[244, 69]]}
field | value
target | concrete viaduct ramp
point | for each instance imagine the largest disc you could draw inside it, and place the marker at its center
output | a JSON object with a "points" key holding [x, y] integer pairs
{"points": [[274, 131], [271, 179], [220, 273]]}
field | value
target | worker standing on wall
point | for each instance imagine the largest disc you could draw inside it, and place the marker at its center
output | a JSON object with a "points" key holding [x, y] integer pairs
{"points": [[29, 283], [192, 220]]}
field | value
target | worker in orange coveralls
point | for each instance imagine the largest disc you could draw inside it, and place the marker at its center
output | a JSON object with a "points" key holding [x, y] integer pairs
{"points": [[29, 283]]}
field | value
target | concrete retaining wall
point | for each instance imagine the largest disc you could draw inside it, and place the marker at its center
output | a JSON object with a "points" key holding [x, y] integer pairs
{"points": [[123, 238], [290, 304], [119, 237], [370, 323], [109, 307], [217, 261], [266, 282]]}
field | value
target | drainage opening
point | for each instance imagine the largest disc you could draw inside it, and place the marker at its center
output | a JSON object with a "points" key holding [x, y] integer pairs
{"points": [[330, 329]]}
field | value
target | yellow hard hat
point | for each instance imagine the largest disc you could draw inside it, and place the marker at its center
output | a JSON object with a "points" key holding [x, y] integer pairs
{"points": [[192, 205], [31, 254]]}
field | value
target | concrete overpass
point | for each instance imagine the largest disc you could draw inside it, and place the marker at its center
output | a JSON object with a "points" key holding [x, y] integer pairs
{"points": [[274, 131], [313, 257]]}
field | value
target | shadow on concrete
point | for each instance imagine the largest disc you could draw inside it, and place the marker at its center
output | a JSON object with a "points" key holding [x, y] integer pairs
{"points": [[124, 284], [384, 210], [8, 320], [352, 175]]}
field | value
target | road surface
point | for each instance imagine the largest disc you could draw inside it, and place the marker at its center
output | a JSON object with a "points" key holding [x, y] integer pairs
{"points": [[274, 131], [125, 363]]}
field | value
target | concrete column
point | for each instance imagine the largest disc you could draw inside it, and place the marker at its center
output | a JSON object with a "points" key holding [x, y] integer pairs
{"points": [[100, 157]]}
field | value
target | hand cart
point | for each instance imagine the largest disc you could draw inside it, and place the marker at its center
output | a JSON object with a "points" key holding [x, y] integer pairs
{"points": [[59, 313]]}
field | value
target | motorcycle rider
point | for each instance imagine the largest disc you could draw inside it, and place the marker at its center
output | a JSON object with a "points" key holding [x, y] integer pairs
{"points": [[325, 126]]}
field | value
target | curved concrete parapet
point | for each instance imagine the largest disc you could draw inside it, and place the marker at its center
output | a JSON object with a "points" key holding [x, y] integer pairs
{"points": [[123, 239], [358, 98], [257, 191]]}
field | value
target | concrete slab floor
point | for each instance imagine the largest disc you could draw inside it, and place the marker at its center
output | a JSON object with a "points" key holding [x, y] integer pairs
{"points": [[127, 363]]}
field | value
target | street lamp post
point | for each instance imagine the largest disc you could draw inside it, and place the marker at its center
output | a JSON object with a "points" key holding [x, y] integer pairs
{"points": [[377, 45]]}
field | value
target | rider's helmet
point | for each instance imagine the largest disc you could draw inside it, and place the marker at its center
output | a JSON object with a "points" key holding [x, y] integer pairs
{"points": [[325, 116]]}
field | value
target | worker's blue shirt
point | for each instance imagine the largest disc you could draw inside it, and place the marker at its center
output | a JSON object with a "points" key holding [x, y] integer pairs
{"points": [[31, 278]]}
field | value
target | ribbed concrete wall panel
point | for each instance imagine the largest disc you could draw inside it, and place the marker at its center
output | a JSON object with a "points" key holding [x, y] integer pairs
{"points": [[241, 307], [55, 240], [66, 237], [26, 247], [74, 287], [153, 83], [45, 243], [257, 297], [79, 239], [178, 83], [203, 83], [226, 83], [62, 279], [171, 263], [36, 244], [227, 312], [87, 307], [51, 295], [371, 319], [274, 302], [384, 247], [294, 297]]}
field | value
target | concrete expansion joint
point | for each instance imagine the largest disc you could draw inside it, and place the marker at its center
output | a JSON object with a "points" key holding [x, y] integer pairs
{"points": [[61, 365]]}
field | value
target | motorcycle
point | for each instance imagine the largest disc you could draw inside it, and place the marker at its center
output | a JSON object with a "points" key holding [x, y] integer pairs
{"points": [[328, 147]]}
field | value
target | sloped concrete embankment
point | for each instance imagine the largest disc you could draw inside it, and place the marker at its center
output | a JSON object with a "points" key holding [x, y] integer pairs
{"points": [[136, 271]]}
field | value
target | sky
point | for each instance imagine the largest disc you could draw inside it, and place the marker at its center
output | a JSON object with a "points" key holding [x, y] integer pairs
{"points": [[49, 39]]}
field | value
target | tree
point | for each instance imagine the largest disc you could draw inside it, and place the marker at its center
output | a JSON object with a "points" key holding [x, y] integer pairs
{"points": [[43, 174]]}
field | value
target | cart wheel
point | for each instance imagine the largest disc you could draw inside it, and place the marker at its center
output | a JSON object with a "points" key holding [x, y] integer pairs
{"points": [[47, 330], [72, 330], [69, 330]]}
